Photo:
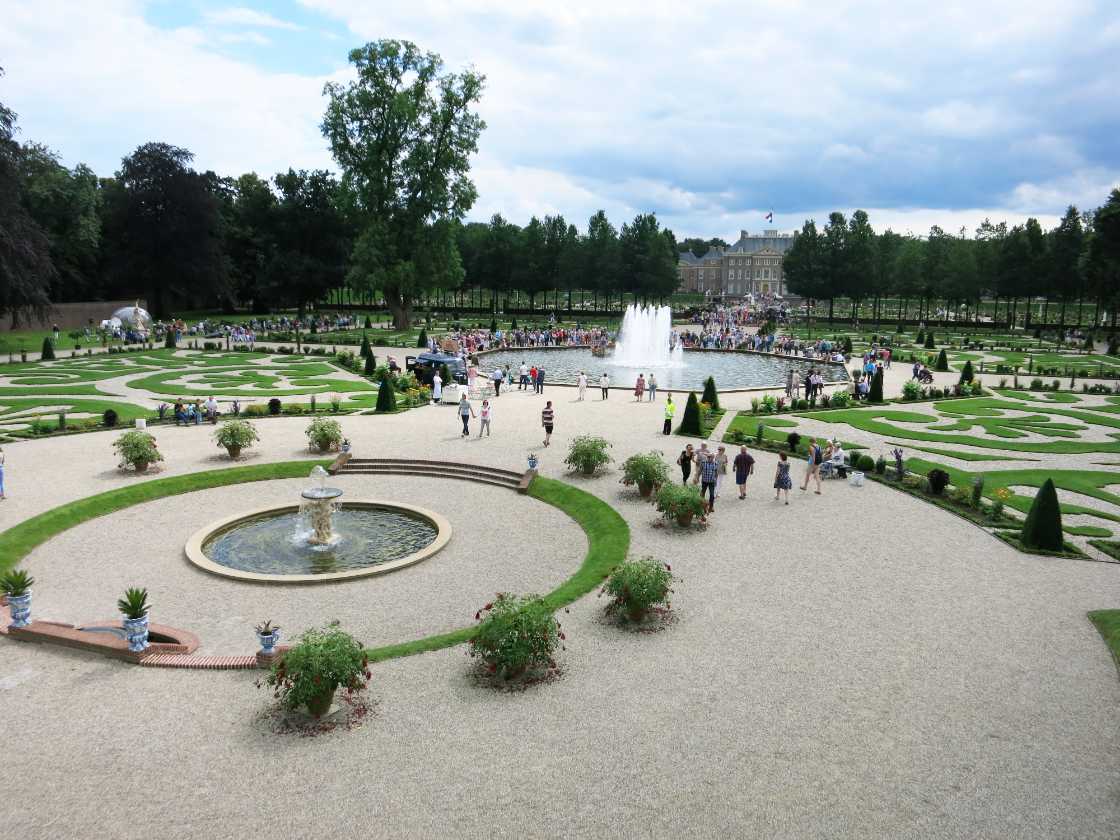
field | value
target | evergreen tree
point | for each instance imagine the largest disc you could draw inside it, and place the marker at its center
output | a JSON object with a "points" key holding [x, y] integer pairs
{"points": [[493, 325], [875, 394], [929, 340], [365, 352], [169, 339], [422, 339], [966, 372], [711, 396], [369, 365], [47, 355], [386, 396], [942, 361], [690, 421], [368, 324], [1043, 528]]}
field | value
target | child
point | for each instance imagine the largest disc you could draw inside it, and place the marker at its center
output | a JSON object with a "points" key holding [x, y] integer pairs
{"points": [[782, 481]]}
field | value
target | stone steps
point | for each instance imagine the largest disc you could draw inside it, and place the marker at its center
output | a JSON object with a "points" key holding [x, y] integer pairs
{"points": [[439, 469]]}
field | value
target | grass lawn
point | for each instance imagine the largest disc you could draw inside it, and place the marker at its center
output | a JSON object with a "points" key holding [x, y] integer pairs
{"points": [[1109, 547], [1107, 623], [960, 455]]}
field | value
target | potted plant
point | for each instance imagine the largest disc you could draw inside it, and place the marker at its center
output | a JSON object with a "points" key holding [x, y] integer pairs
{"points": [[646, 470], [680, 503], [137, 449], [516, 634], [324, 433], [236, 435], [587, 453], [637, 586], [321, 662], [134, 607], [268, 634], [16, 586]]}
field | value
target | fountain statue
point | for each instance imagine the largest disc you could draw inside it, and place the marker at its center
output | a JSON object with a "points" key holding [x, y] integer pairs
{"points": [[317, 507], [647, 339]]}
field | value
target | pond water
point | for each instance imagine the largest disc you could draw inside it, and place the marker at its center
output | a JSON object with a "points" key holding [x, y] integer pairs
{"points": [[730, 369]]}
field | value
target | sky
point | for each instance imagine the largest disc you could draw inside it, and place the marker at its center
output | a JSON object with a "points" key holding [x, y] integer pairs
{"points": [[710, 114]]}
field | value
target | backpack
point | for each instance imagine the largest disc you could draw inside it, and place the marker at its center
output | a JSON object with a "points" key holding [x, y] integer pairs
{"points": [[816, 454]]}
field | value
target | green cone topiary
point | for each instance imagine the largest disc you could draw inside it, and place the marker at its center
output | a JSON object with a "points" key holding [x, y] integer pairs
{"points": [[929, 340], [711, 396], [966, 371], [386, 396], [690, 422], [942, 361], [1043, 528], [875, 393], [365, 352], [422, 339], [169, 339], [47, 353], [369, 365]]}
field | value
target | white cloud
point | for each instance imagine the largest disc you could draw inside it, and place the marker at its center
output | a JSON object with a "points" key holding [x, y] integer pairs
{"points": [[249, 37], [242, 16], [965, 119]]}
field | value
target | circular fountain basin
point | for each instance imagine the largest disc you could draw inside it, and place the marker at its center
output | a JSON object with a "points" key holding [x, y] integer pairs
{"points": [[732, 370], [270, 545]]}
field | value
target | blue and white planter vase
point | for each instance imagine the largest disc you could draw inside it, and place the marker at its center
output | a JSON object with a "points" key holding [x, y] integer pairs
{"points": [[20, 607], [137, 632], [268, 642]]}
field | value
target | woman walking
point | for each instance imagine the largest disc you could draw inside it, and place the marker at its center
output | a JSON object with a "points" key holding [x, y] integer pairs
{"points": [[640, 387], [484, 415], [684, 461], [813, 466], [721, 463], [782, 481], [548, 417], [466, 412]]}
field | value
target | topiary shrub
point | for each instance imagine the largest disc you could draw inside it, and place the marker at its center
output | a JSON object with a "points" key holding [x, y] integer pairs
{"points": [[47, 353], [365, 351], [929, 345], [368, 324], [793, 440], [516, 635], [386, 396], [880, 465], [690, 420], [966, 372], [938, 481], [711, 396], [422, 339], [920, 337], [169, 340], [1043, 527], [637, 586], [865, 463], [493, 325], [369, 365], [942, 363], [274, 406], [875, 393], [109, 418]]}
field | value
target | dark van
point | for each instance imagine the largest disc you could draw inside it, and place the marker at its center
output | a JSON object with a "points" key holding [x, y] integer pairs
{"points": [[426, 364]]}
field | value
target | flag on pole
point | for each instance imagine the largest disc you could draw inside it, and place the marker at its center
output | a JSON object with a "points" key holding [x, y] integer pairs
{"points": [[770, 216]]}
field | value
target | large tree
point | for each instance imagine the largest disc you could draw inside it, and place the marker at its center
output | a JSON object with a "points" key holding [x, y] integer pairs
{"points": [[803, 265], [402, 133], [649, 257]]}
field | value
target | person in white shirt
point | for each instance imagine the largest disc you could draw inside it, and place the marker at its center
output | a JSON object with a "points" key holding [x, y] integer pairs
{"points": [[485, 413], [524, 381], [437, 388], [211, 408], [604, 385], [582, 382]]}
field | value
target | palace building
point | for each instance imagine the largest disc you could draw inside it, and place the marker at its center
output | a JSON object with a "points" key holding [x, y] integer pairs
{"points": [[753, 265]]}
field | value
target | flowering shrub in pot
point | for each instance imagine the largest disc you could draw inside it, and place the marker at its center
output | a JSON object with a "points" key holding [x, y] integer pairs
{"points": [[646, 470], [236, 435], [137, 449], [324, 433], [680, 503], [637, 586], [322, 661], [516, 634], [16, 586]]}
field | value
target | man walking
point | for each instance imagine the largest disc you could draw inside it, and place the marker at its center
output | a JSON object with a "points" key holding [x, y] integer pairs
{"points": [[466, 412], [523, 380], [497, 376], [670, 409], [540, 380], [548, 417], [744, 466], [684, 461], [709, 469]]}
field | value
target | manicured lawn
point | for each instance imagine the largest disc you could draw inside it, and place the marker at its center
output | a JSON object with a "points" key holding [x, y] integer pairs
{"points": [[1109, 547], [959, 454], [1107, 623]]}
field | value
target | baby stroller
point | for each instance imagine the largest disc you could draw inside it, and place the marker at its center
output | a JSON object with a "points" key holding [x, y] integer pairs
{"points": [[925, 377]]}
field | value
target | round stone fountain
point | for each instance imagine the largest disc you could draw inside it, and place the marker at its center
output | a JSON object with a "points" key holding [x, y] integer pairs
{"points": [[320, 539]]}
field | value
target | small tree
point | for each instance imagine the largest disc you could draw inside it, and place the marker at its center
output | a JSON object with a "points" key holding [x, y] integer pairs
{"points": [[369, 365], [1043, 528], [169, 339], [690, 422], [942, 361], [368, 324], [47, 354], [365, 352], [966, 372], [493, 325], [711, 396], [929, 340], [422, 339], [875, 393], [386, 396]]}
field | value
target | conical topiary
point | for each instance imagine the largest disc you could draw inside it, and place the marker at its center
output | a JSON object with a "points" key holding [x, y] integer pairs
{"points": [[47, 353], [493, 325], [369, 366], [1043, 528], [369, 323], [690, 421], [929, 340], [942, 361], [169, 340], [966, 372], [422, 339], [386, 396], [711, 396], [875, 392], [365, 352]]}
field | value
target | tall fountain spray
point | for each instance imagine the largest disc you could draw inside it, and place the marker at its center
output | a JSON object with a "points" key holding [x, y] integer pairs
{"points": [[317, 506], [647, 339]]}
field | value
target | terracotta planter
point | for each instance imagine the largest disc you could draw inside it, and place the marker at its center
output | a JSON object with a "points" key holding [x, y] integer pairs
{"points": [[141, 466], [320, 704], [234, 451], [645, 488], [685, 519]]}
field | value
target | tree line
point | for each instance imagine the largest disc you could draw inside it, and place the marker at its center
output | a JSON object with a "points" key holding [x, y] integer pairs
{"points": [[1076, 262], [389, 226]]}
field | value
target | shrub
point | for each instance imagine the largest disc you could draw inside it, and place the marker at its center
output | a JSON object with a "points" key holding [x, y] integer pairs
{"points": [[645, 468], [865, 463], [368, 323], [929, 345], [516, 634], [274, 406], [674, 501], [368, 368], [942, 363], [920, 337], [1043, 528], [1055, 385], [291, 408], [324, 433], [758, 432], [875, 393], [754, 405], [47, 353], [137, 449], [321, 662], [977, 492], [711, 396], [365, 351], [422, 339], [255, 410], [769, 404], [636, 586], [938, 481], [587, 453], [169, 340], [966, 373], [841, 399], [386, 396], [493, 325], [802, 404], [690, 421], [911, 390], [1036, 384], [880, 465], [16, 583], [236, 434], [793, 440], [109, 418]]}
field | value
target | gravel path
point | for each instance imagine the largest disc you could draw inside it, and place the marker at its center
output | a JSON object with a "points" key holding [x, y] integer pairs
{"points": [[855, 665]]}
